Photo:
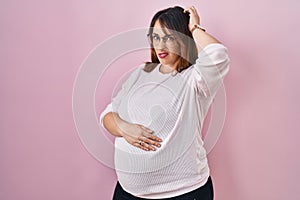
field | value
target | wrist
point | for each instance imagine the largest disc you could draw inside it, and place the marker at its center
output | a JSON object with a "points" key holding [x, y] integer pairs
{"points": [[120, 125], [197, 26]]}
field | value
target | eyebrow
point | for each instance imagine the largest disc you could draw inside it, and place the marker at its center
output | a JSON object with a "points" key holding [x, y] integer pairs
{"points": [[164, 35]]}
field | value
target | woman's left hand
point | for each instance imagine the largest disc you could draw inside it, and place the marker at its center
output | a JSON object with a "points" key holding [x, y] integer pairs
{"points": [[194, 17]]}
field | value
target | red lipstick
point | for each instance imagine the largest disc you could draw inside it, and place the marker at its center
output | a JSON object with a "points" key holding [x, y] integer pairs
{"points": [[162, 55]]}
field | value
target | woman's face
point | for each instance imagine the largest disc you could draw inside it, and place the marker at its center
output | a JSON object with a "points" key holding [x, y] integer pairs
{"points": [[165, 45]]}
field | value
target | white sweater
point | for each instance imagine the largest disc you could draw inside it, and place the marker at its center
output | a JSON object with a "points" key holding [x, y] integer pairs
{"points": [[174, 107]]}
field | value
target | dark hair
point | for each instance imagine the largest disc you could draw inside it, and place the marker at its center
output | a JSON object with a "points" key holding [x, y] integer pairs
{"points": [[176, 20]]}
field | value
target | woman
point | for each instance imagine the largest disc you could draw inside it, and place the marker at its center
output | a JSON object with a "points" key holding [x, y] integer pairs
{"points": [[158, 114]]}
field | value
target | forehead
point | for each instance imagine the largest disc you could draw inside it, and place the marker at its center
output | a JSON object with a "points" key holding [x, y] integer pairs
{"points": [[158, 29]]}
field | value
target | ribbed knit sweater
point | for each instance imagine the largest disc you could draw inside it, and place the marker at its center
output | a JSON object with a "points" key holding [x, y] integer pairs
{"points": [[174, 106]]}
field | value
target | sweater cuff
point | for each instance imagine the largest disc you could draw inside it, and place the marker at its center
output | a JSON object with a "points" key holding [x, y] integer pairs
{"points": [[104, 112], [210, 48]]}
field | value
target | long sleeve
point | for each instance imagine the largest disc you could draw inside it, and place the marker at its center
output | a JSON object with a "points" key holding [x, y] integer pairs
{"points": [[211, 67], [114, 104]]}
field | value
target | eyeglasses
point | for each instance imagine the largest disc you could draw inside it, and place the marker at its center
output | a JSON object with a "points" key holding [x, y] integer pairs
{"points": [[155, 39]]}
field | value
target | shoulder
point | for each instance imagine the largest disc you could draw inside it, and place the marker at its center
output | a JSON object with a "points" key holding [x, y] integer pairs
{"points": [[149, 66], [137, 71]]}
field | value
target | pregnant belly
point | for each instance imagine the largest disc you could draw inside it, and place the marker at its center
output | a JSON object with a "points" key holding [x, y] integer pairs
{"points": [[157, 108]]}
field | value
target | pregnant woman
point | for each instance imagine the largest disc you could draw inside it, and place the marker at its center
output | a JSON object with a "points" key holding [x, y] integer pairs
{"points": [[158, 114]]}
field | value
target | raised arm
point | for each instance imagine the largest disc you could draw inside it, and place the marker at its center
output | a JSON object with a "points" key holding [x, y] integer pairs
{"points": [[201, 37], [212, 63]]}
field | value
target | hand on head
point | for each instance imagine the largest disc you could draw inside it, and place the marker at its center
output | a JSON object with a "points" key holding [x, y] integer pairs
{"points": [[194, 17]]}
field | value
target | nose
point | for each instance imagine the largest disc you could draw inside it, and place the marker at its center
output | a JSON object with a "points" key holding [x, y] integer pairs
{"points": [[161, 45]]}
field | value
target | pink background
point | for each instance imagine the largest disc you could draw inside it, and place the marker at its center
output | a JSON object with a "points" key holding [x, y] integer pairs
{"points": [[43, 44]]}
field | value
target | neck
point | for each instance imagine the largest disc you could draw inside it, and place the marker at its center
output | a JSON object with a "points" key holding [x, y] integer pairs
{"points": [[166, 68]]}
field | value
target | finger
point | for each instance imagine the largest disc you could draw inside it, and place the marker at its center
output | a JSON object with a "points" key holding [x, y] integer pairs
{"points": [[147, 146], [187, 10], [152, 137], [191, 10], [150, 142], [147, 129], [194, 10], [137, 144]]}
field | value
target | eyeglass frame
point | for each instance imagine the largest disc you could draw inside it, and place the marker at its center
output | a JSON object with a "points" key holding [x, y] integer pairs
{"points": [[164, 39]]}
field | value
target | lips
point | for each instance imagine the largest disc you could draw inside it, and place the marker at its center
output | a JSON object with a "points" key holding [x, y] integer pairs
{"points": [[163, 55]]}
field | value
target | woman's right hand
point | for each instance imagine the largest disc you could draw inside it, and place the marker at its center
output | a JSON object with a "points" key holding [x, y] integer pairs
{"points": [[139, 136]]}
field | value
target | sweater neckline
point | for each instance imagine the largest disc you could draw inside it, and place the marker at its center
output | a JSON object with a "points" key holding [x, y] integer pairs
{"points": [[164, 74]]}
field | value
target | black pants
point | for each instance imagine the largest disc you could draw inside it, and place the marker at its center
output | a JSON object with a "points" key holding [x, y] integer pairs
{"points": [[205, 192]]}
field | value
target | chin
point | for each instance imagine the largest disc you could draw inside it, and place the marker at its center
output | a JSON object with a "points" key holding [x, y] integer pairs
{"points": [[164, 62]]}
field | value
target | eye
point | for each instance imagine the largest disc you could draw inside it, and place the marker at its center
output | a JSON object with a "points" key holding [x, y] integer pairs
{"points": [[170, 38], [155, 37]]}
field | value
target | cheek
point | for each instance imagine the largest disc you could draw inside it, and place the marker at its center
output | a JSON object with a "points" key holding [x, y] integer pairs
{"points": [[175, 50]]}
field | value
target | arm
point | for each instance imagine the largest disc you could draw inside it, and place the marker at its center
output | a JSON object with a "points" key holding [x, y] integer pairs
{"points": [[135, 134], [132, 133], [212, 63], [112, 123], [201, 37]]}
